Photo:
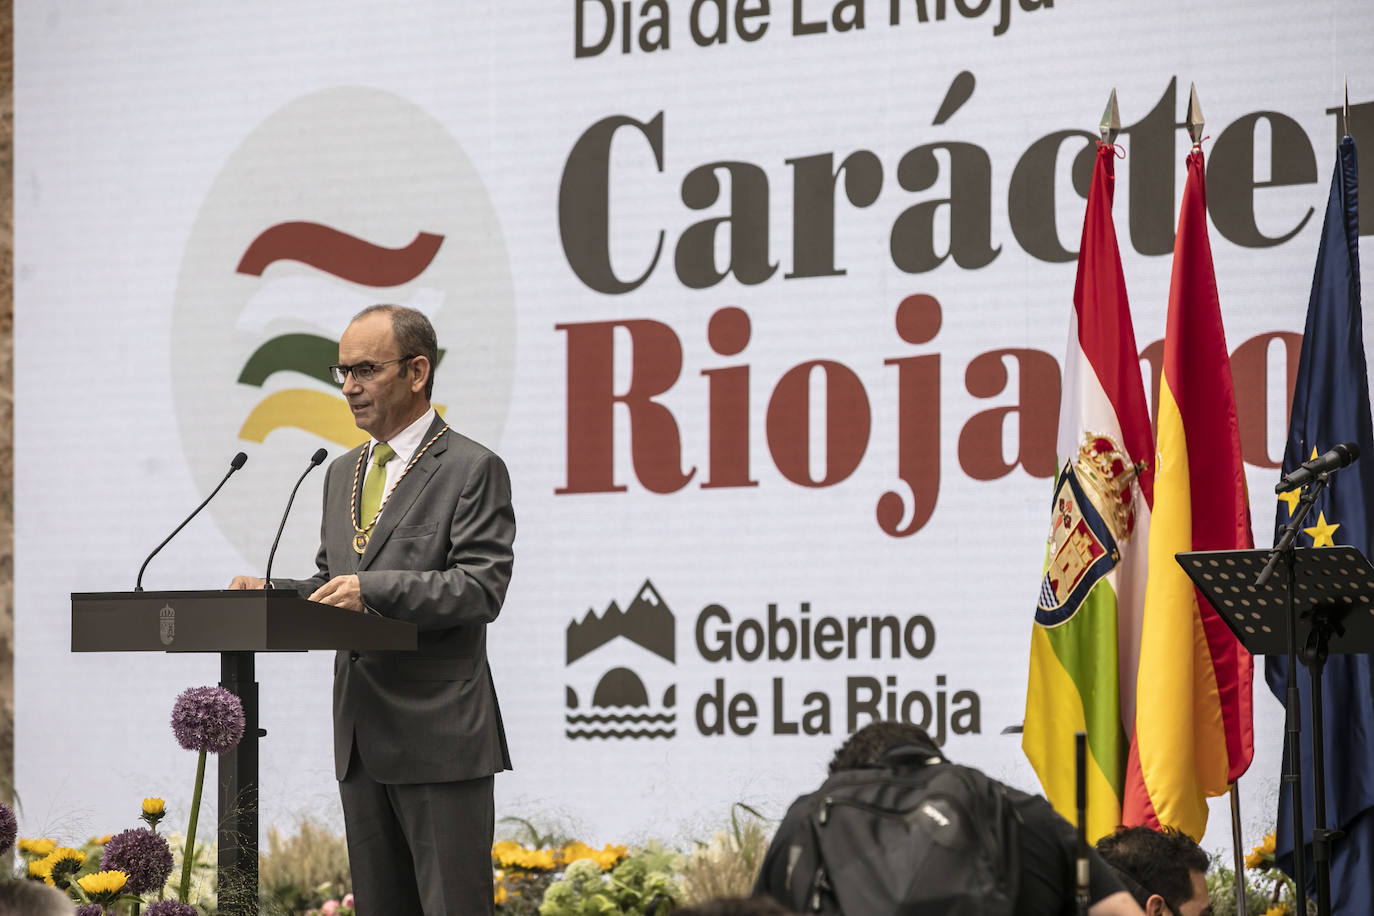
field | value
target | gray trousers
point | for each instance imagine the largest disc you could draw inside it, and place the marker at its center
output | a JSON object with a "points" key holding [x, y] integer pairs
{"points": [[419, 850]]}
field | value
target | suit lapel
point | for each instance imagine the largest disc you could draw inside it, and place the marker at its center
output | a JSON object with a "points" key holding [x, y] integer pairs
{"points": [[406, 492]]}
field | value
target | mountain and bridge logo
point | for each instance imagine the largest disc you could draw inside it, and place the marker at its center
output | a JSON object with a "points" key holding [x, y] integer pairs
{"points": [[631, 693]]}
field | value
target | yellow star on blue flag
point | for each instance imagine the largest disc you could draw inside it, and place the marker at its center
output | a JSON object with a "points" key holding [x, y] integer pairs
{"points": [[1321, 532]]}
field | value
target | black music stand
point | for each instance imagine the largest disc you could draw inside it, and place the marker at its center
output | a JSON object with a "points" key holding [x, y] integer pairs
{"points": [[1329, 608], [236, 624]]}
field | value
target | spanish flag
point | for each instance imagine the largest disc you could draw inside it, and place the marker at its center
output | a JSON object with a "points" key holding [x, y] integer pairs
{"points": [[1194, 731], [1085, 637]]}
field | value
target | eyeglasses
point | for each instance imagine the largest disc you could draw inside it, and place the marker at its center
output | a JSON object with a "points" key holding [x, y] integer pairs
{"points": [[362, 372]]}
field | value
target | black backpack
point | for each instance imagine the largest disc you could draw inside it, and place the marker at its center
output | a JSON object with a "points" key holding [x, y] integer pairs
{"points": [[913, 835]]}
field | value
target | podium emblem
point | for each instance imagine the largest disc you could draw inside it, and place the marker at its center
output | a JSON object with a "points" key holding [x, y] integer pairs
{"points": [[167, 624]]}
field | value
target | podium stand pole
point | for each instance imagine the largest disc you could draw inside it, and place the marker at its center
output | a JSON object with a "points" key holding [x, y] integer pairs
{"points": [[236, 882]]}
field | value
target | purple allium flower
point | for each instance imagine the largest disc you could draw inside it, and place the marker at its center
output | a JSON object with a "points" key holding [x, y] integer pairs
{"points": [[207, 719], [90, 909], [169, 908], [142, 855], [9, 828]]}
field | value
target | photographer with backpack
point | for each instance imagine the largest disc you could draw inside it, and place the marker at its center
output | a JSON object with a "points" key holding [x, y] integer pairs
{"points": [[898, 829]]}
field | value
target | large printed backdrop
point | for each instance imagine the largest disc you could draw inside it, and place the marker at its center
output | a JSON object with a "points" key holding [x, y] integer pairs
{"points": [[763, 303]]}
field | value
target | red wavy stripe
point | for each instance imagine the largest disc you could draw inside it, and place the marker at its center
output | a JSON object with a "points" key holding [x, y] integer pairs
{"points": [[345, 256]]}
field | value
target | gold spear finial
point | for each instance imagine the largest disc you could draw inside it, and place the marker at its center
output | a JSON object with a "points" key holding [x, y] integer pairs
{"points": [[1195, 121], [1111, 120]]}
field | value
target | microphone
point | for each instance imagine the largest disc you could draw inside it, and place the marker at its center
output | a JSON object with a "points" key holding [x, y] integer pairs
{"points": [[315, 461], [1337, 458], [238, 461]]}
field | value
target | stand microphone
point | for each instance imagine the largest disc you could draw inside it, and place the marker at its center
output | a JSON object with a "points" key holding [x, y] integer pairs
{"points": [[1337, 458], [315, 461], [239, 461]]}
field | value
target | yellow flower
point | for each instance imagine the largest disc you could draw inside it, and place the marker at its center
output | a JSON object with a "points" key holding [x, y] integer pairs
{"points": [[1278, 909], [38, 848], [154, 807], [509, 854], [39, 871], [606, 858], [62, 863], [502, 850], [500, 894], [103, 887], [1262, 856], [100, 840]]}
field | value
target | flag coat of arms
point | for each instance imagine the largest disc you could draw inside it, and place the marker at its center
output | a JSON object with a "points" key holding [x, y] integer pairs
{"points": [[1085, 639]]}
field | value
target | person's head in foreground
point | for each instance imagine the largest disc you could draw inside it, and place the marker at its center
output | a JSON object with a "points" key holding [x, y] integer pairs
{"points": [[1165, 870]]}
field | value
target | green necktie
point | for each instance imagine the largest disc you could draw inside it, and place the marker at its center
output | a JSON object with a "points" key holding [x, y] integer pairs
{"points": [[375, 484]]}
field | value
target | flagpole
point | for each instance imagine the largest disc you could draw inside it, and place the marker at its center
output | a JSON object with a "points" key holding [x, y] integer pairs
{"points": [[1242, 905]]}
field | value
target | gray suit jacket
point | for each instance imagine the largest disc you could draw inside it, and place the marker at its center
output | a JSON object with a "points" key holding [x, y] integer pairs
{"points": [[440, 557]]}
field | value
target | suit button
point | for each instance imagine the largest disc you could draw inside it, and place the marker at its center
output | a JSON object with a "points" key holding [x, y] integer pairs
{"points": [[353, 656]]}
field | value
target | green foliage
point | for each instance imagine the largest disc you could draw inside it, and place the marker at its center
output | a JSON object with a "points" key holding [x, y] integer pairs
{"points": [[647, 876], [1264, 888], [524, 891]]}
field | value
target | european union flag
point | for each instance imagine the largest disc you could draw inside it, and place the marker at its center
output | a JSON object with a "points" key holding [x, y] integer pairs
{"points": [[1330, 406]]}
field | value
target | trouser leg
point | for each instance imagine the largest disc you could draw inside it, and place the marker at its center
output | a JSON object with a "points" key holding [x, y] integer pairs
{"points": [[379, 856], [448, 827]]}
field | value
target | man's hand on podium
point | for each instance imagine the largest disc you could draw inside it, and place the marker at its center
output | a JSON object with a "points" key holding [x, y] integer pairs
{"points": [[249, 582], [340, 591]]}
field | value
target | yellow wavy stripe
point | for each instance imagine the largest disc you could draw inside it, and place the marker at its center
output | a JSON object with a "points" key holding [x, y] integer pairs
{"points": [[1182, 741], [1054, 713], [325, 415]]}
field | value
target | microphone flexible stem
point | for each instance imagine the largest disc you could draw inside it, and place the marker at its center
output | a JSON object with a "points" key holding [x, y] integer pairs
{"points": [[315, 461], [234, 465]]}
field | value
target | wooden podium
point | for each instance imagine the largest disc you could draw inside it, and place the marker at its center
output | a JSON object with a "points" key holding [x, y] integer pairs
{"points": [[236, 624]]}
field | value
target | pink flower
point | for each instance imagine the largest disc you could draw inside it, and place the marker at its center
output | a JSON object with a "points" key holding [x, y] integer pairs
{"points": [[348, 900], [328, 908]]}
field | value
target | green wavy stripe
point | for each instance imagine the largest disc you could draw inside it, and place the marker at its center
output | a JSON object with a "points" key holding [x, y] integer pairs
{"points": [[308, 354], [1086, 646]]}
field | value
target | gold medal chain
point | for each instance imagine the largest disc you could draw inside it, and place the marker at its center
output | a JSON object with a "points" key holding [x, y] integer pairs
{"points": [[361, 535]]}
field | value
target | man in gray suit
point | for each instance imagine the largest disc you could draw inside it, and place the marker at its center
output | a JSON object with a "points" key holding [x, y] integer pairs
{"points": [[417, 526]]}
